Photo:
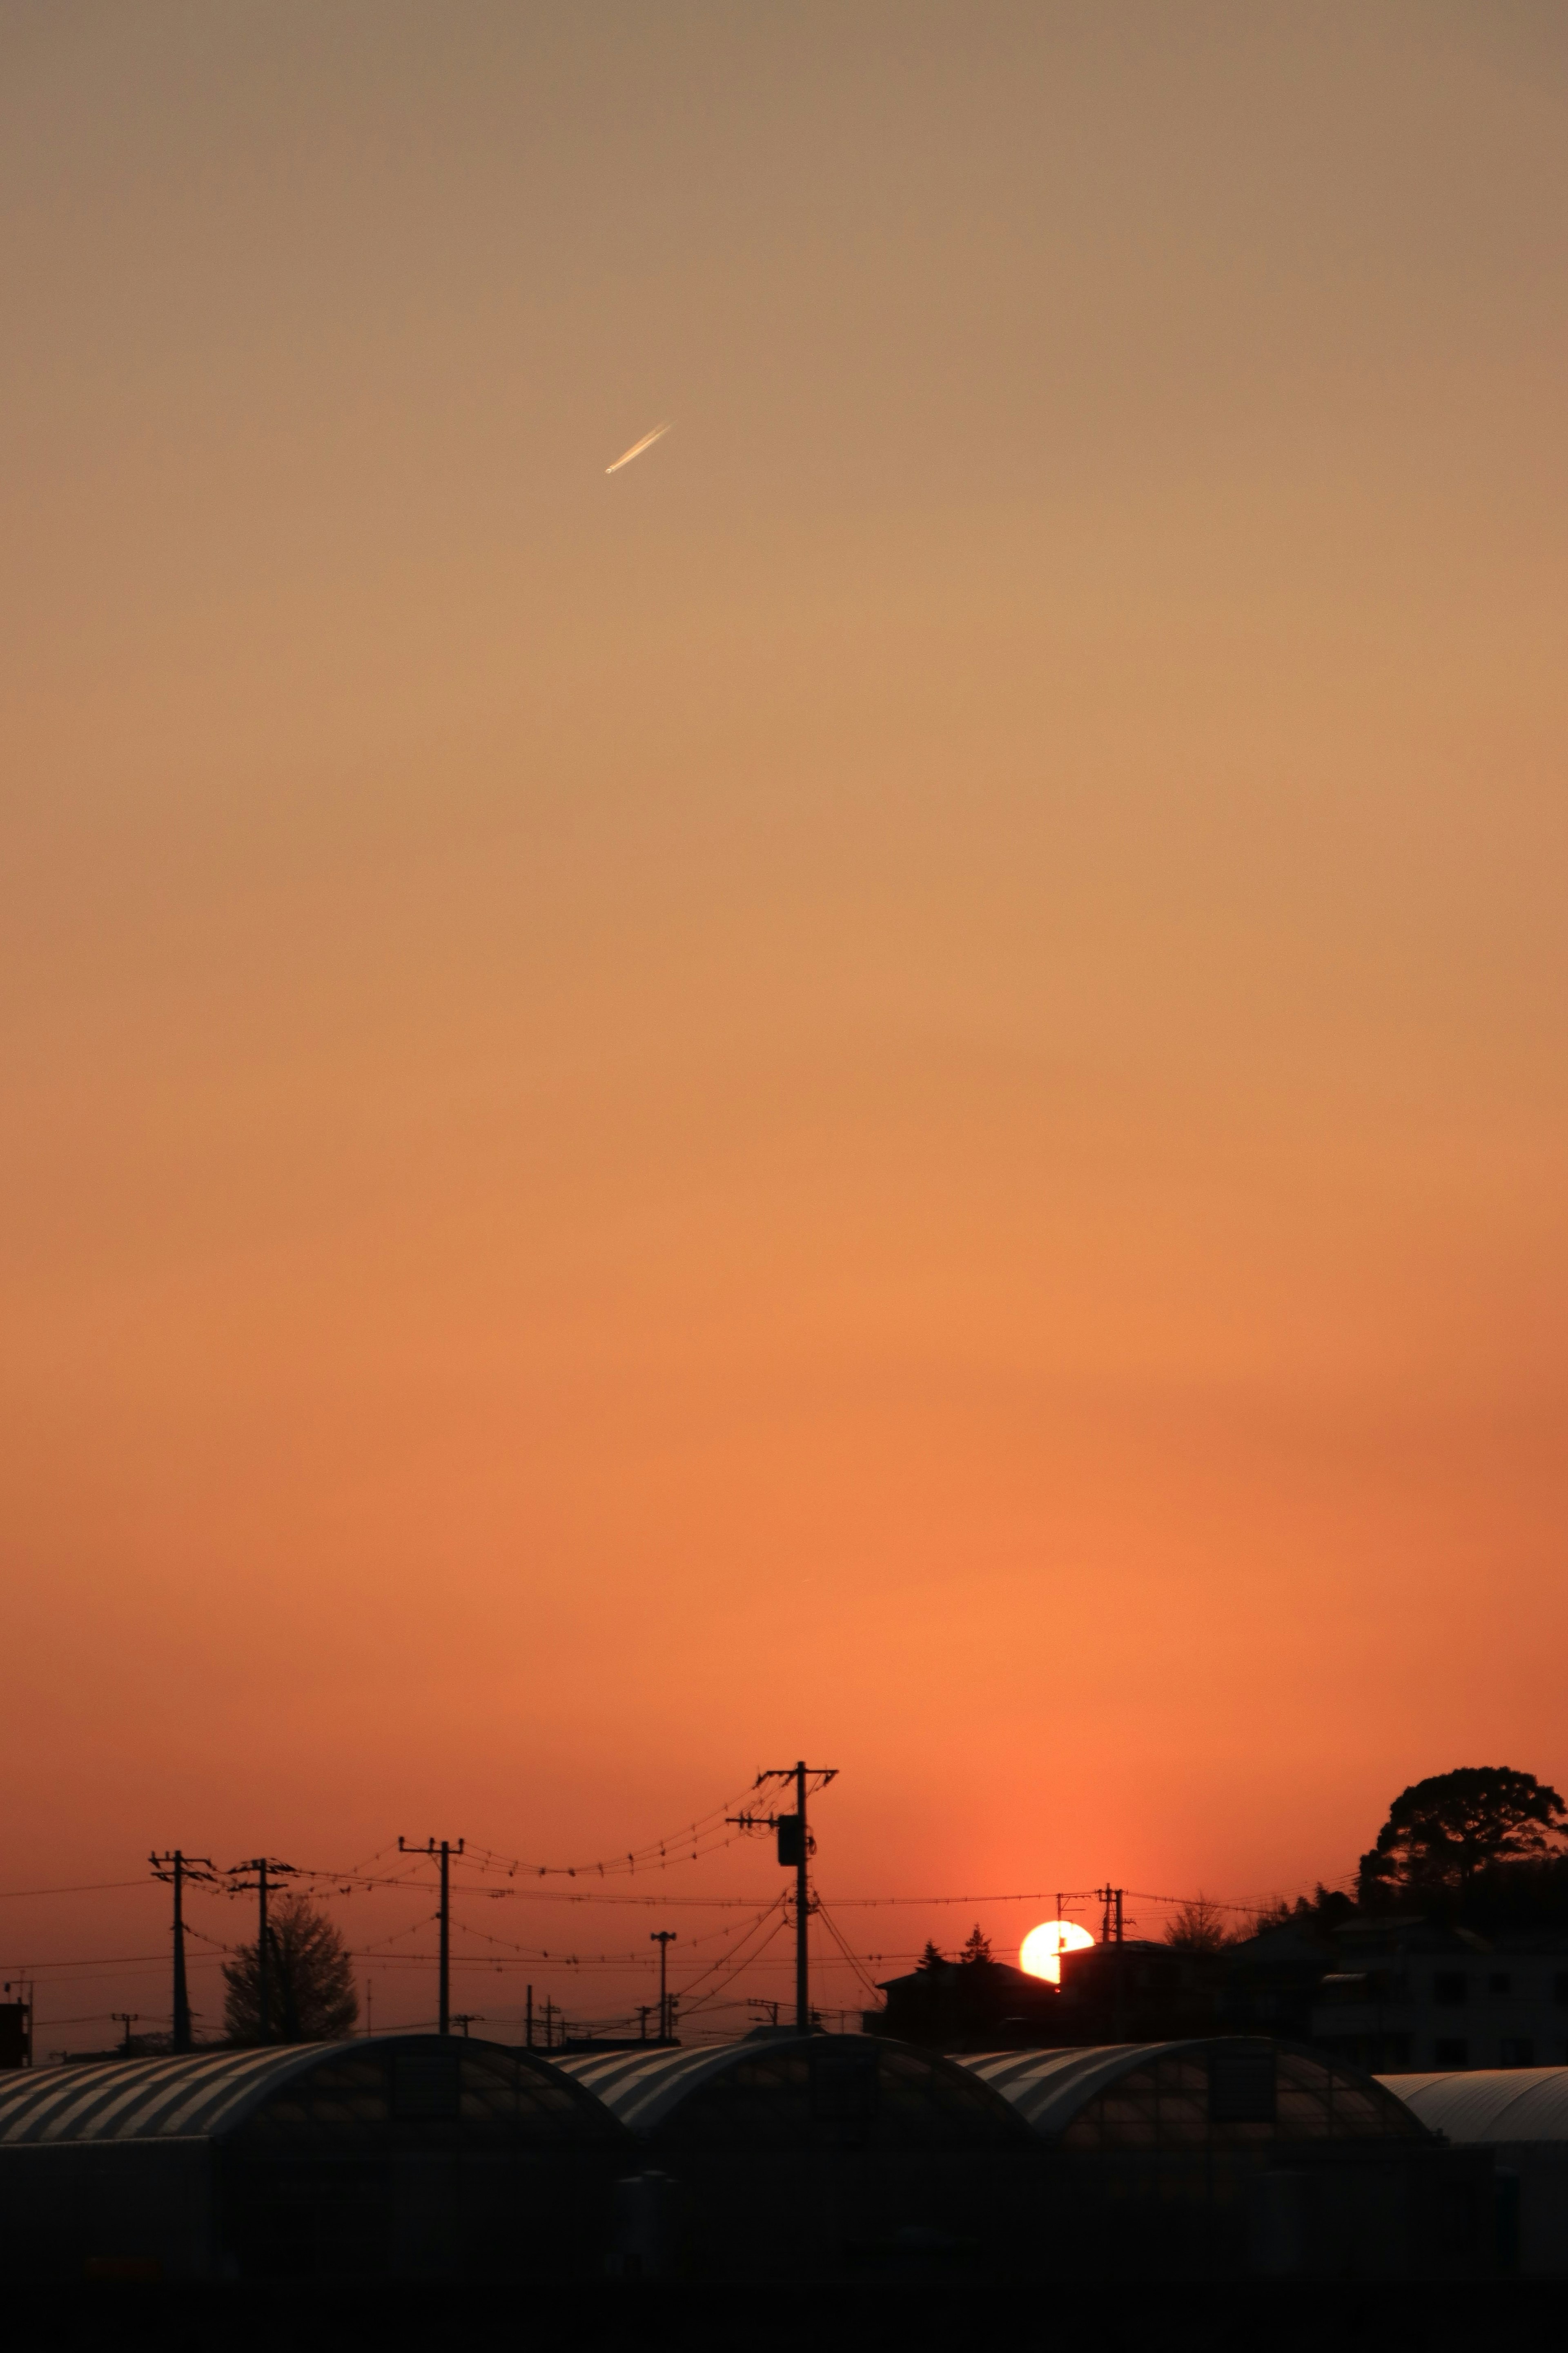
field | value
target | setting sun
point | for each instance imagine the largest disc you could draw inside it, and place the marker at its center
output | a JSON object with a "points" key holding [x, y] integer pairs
{"points": [[1040, 1953]]}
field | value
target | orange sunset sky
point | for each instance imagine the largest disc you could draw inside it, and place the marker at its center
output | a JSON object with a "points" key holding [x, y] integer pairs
{"points": [[890, 1087]]}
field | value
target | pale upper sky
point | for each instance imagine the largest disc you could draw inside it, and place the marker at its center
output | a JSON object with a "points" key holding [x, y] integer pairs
{"points": [[892, 1085]]}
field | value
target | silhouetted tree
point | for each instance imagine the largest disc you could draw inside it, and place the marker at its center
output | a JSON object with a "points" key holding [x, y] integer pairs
{"points": [[311, 1994], [1443, 1832], [1199, 1926], [977, 1947], [931, 1958], [1326, 1909]]}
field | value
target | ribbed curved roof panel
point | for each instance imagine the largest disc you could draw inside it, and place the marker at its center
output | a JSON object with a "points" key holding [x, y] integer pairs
{"points": [[144, 2099], [641, 2087], [1049, 2087], [192, 2097], [919, 2095], [1489, 2104], [1318, 2096]]}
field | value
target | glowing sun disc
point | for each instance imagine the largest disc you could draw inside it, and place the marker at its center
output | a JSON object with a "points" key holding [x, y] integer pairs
{"points": [[1040, 1954]]}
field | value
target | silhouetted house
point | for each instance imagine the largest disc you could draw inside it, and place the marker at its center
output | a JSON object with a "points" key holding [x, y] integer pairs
{"points": [[968, 2006], [1234, 2155], [1268, 1984], [16, 2034], [1405, 1994], [1137, 1992], [401, 2156], [1521, 2117], [828, 2156]]}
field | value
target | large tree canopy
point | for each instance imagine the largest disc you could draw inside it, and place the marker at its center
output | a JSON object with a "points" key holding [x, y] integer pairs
{"points": [[1444, 1832], [310, 1981]]}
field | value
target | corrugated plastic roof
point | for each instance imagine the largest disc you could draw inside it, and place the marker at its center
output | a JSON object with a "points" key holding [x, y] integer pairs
{"points": [[1490, 2104], [141, 2099], [191, 2098], [1048, 2088], [642, 2086], [1051, 2089]]}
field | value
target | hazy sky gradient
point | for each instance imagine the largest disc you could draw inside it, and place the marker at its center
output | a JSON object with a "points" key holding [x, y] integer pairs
{"points": [[893, 1085]]}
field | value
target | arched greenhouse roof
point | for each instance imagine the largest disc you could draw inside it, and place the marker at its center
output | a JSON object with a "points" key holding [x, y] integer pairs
{"points": [[1489, 2104], [782, 2090], [362, 2084], [1225, 2090]]}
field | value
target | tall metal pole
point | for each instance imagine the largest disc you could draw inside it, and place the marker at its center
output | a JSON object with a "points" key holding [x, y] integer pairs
{"points": [[1119, 2029], [181, 1996], [267, 1870], [795, 1846], [446, 2002], [802, 1898], [174, 1868], [446, 1849], [263, 1959], [663, 1938]]}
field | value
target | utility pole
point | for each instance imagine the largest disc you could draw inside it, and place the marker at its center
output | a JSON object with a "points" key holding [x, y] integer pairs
{"points": [[174, 1869], [663, 1938], [801, 1963], [446, 1849], [1111, 1934], [795, 1847], [467, 2018], [528, 2043], [261, 1864], [127, 2018]]}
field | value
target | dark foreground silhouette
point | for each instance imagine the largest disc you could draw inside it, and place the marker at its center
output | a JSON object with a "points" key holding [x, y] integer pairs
{"points": [[1178, 2319]]}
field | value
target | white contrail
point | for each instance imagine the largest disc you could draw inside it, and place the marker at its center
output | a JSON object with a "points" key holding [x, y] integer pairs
{"points": [[637, 448]]}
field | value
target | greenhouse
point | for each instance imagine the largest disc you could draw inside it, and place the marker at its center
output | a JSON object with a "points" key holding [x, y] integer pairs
{"points": [[1521, 2116], [402, 2155], [1235, 2154], [824, 2155]]}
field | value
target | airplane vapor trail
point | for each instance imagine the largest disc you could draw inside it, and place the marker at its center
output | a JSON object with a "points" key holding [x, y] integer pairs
{"points": [[637, 448]]}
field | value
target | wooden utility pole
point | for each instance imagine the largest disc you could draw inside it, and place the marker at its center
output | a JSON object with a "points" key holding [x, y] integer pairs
{"points": [[446, 1849], [261, 1864], [663, 1938], [174, 1869], [795, 1847]]}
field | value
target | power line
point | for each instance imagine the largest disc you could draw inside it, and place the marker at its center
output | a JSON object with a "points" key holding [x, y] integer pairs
{"points": [[655, 1854], [90, 1888]]}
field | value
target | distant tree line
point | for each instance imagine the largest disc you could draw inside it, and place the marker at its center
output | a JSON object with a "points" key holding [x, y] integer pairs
{"points": [[1483, 1847]]}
